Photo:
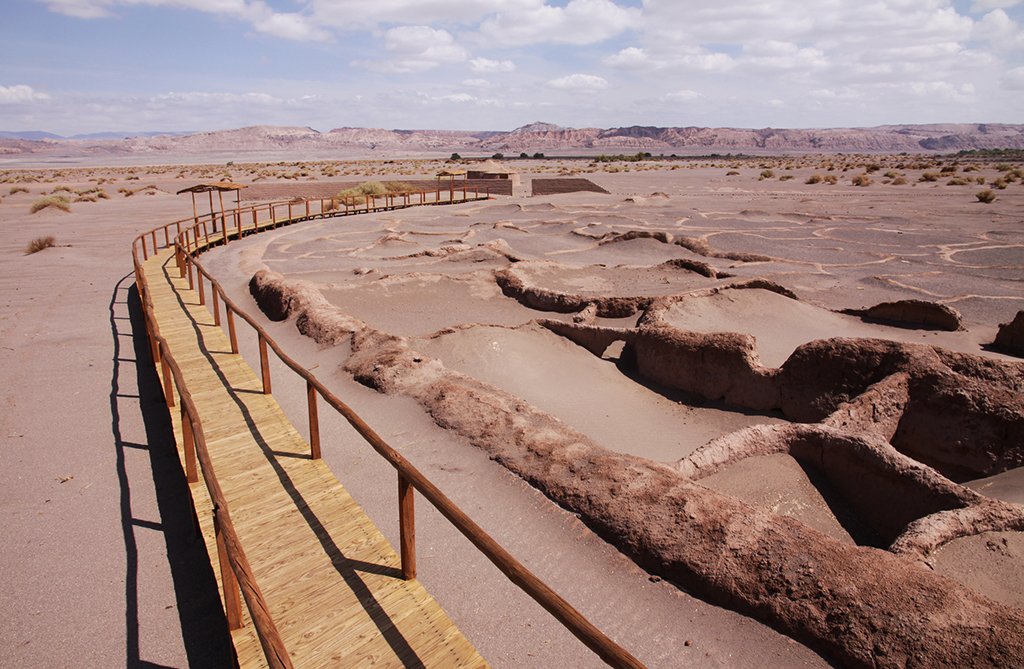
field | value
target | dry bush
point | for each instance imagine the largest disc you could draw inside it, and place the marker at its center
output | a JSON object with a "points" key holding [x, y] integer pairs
{"points": [[862, 180], [731, 173], [17, 189], [766, 174], [56, 201], [999, 183], [831, 179], [958, 181], [987, 196], [813, 179], [40, 243], [929, 176], [899, 181]]}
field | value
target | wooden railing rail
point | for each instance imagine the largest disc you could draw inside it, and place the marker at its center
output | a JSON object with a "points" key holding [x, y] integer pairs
{"points": [[188, 244], [236, 573]]}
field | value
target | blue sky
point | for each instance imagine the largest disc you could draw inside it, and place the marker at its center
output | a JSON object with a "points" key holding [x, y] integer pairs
{"points": [[80, 66]]}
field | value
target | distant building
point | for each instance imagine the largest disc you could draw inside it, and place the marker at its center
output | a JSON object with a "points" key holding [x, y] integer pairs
{"points": [[492, 170]]}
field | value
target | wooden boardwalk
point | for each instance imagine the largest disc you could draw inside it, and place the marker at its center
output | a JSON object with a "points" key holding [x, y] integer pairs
{"points": [[332, 582]]}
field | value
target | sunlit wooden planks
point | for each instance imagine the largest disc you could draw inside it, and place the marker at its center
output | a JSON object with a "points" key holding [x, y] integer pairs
{"points": [[332, 582]]}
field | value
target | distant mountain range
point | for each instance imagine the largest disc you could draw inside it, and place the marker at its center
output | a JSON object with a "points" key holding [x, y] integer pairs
{"points": [[532, 138]]}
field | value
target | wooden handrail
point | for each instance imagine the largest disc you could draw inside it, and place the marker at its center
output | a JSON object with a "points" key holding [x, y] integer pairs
{"points": [[270, 639], [409, 477]]}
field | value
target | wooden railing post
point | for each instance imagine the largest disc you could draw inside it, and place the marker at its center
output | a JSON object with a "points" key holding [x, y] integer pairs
{"points": [[231, 328], [216, 306], [188, 270], [189, 444], [264, 365], [199, 281], [407, 526], [167, 237], [255, 220], [232, 595], [314, 422], [165, 371]]}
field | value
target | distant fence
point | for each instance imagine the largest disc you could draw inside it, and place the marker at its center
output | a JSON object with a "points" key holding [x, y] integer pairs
{"points": [[190, 237]]}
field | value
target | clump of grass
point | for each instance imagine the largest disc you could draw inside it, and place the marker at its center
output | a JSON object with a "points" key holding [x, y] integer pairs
{"points": [[785, 177], [899, 181], [56, 201], [17, 189], [40, 243], [831, 179], [958, 181], [987, 196], [813, 179], [766, 174], [862, 180], [732, 173], [929, 176], [891, 174], [998, 183]]}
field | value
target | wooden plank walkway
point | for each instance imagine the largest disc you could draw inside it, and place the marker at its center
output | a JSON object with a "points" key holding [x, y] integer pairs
{"points": [[332, 582]]}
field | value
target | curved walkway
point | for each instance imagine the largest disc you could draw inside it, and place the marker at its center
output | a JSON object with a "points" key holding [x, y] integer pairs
{"points": [[332, 582]]}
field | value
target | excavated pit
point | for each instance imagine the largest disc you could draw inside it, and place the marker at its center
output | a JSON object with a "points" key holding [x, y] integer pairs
{"points": [[785, 460]]}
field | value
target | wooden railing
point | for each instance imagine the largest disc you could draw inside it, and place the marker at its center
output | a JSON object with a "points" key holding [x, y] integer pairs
{"points": [[194, 238]]}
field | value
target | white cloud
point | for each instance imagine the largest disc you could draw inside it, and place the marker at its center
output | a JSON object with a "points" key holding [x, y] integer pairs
{"points": [[632, 58], [20, 93], [486, 65], [477, 83], [578, 22], [1000, 30], [1013, 79], [416, 49], [579, 82], [263, 18]]}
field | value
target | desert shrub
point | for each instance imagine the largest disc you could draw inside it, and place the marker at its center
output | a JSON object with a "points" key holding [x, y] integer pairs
{"points": [[861, 180], [948, 169], [17, 189], [899, 181], [999, 183], [958, 181], [40, 243], [1003, 167], [985, 196], [813, 179], [971, 168], [56, 201], [929, 176], [785, 177], [85, 198], [831, 179], [356, 194], [980, 181], [731, 173], [873, 167], [399, 187], [767, 174], [891, 174]]}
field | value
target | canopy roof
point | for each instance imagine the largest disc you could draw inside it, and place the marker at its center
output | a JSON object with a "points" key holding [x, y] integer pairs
{"points": [[451, 173], [213, 186]]}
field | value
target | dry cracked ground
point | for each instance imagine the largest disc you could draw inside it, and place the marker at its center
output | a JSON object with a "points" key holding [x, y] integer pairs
{"points": [[698, 375]]}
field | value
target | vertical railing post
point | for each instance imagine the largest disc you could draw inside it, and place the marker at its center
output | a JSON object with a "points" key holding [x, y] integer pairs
{"points": [[188, 270], [407, 527], [231, 328], [165, 371], [255, 221], [264, 365], [167, 237], [228, 580], [216, 305], [199, 281], [289, 211], [189, 444], [206, 232], [314, 422]]}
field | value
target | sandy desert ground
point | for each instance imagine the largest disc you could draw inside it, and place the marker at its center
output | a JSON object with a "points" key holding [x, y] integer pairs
{"points": [[601, 320]]}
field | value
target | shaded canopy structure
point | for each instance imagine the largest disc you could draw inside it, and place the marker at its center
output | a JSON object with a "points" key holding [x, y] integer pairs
{"points": [[451, 175], [221, 187]]}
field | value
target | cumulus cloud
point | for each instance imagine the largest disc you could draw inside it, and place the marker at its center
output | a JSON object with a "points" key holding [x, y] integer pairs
{"points": [[417, 49], [486, 65], [632, 58], [20, 93], [1013, 79], [579, 82], [263, 18], [578, 22]]}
